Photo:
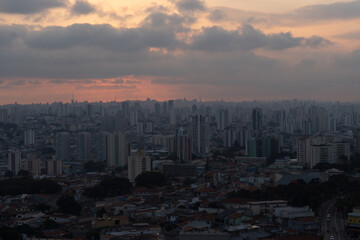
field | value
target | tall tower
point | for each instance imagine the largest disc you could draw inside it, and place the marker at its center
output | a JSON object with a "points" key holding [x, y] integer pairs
{"points": [[222, 119], [183, 145], [14, 161], [199, 131], [117, 150], [29, 137], [84, 147], [63, 146], [257, 121]]}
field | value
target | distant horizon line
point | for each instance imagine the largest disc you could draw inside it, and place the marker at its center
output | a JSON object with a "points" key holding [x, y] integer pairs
{"points": [[198, 100]]}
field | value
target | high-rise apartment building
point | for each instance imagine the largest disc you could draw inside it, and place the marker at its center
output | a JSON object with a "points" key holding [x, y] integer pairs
{"points": [[83, 144], [138, 163], [32, 165], [183, 145], [53, 167], [263, 147], [29, 137], [117, 150], [229, 136], [63, 146], [304, 149], [257, 121], [4, 117], [199, 131], [14, 161], [222, 119]]}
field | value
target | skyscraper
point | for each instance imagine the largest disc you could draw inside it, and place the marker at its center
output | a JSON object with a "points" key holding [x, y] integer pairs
{"points": [[63, 146], [14, 161], [222, 119], [4, 118], [257, 121], [157, 109], [199, 131], [29, 137], [183, 145], [117, 150], [83, 147]]}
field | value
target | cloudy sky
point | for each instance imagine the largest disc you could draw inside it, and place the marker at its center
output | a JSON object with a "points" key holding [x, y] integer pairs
{"points": [[233, 50]]}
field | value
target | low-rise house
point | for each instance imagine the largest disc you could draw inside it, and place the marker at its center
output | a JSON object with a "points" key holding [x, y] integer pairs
{"points": [[304, 224], [262, 207], [110, 221], [282, 214]]}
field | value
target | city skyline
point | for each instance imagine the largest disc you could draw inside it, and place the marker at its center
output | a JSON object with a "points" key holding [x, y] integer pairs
{"points": [[236, 51]]}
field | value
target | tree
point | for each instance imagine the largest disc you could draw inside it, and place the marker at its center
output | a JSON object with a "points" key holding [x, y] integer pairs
{"points": [[15, 186], [7, 233], [109, 187], [322, 166], [49, 224], [68, 205], [43, 207], [92, 166], [23, 173], [150, 179], [92, 235], [9, 174]]}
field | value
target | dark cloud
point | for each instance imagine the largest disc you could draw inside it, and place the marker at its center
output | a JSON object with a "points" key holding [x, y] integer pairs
{"points": [[340, 10], [79, 54], [349, 35], [160, 20], [219, 39], [190, 5], [217, 15], [29, 6], [107, 87], [133, 81], [9, 33], [351, 60], [118, 81], [101, 36], [82, 7]]}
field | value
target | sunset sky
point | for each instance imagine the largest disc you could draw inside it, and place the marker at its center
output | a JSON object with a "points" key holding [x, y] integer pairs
{"points": [[233, 50]]}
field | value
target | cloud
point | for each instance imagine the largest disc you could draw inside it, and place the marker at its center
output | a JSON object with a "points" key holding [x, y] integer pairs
{"points": [[219, 39], [82, 8], [217, 15], [351, 60], [29, 6], [306, 15], [81, 54], [101, 36], [10, 33], [160, 20], [190, 5], [106, 87], [349, 35], [339, 10]]}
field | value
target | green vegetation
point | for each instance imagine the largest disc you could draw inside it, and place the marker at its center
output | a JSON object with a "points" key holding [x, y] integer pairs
{"points": [[312, 195], [68, 205], [50, 224], [92, 235], [23, 173], [7, 233], [109, 187], [16, 186], [150, 179], [92, 166], [348, 166]]}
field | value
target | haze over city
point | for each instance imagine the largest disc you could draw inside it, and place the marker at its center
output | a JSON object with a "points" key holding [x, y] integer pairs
{"points": [[180, 119], [233, 50]]}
